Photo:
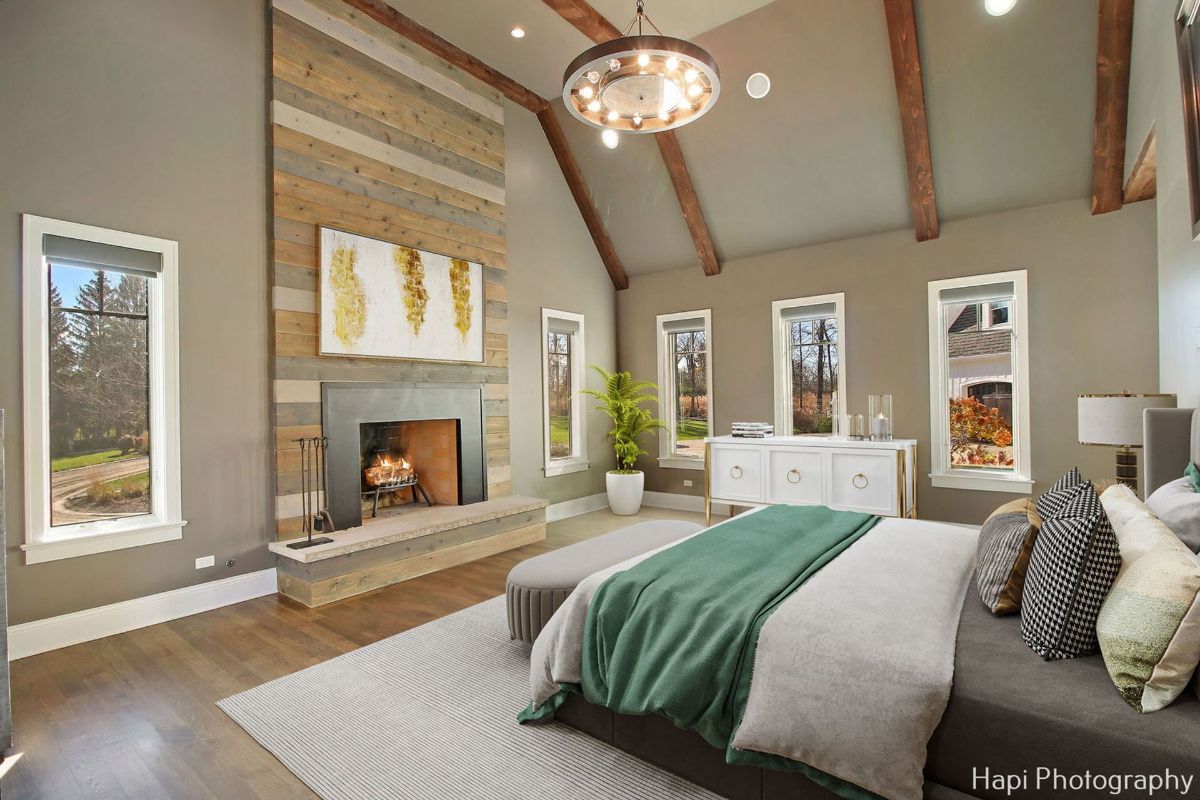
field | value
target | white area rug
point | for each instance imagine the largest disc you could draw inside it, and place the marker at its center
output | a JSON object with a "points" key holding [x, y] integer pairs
{"points": [[432, 713]]}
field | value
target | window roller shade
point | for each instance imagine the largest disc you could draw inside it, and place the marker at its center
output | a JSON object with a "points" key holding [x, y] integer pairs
{"points": [[684, 325], [97, 255], [965, 295], [555, 325], [818, 311]]}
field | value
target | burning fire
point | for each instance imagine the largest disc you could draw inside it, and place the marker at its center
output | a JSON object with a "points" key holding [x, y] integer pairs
{"points": [[387, 470]]}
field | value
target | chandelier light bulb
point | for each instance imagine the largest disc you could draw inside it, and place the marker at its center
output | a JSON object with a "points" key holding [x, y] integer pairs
{"points": [[672, 63], [610, 138], [593, 76], [613, 116], [691, 75], [664, 115], [637, 120], [694, 90], [998, 8], [586, 92], [643, 59], [614, 64], [593, 106], [684, 105]]}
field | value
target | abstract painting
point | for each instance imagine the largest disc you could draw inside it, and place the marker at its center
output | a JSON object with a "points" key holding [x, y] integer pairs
{"points": [[384, 300]]}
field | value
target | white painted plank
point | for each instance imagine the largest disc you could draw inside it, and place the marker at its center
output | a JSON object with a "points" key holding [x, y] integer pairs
{"points": [[284, 298], [297, 391], [326, 131], [389, 56]]}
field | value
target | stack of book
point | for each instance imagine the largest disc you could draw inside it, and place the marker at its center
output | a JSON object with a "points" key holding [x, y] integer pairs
{"points": [[753, 430]]}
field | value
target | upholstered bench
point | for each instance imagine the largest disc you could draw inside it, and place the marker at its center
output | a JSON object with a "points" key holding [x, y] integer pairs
{"points": [[539, 585]]}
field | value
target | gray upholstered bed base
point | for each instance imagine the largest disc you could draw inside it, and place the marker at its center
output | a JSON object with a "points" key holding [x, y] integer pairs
{"points": [[1172, 439]]}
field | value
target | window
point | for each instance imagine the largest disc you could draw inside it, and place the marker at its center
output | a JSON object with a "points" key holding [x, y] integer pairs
{"points": [[101, 399], [979, 382], [562, 371], [810, 373], [684, 387]]}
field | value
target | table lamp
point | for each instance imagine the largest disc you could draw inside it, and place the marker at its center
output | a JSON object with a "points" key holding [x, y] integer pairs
{"points": [[1115, 420]]}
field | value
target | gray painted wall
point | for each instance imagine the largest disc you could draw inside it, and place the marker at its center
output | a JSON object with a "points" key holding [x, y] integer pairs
{"points": [[1093, 303], [1156, 101], [151, 117], [551, 262]]}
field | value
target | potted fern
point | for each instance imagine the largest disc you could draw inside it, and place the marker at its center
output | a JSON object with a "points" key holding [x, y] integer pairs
{"points": [[623, 400]]}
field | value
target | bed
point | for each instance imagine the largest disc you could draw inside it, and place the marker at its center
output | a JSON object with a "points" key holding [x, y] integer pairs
{"points": [[1005, 715]]}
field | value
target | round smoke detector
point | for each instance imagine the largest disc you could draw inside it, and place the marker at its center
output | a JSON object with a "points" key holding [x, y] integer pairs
{"points": [[757, 85]]}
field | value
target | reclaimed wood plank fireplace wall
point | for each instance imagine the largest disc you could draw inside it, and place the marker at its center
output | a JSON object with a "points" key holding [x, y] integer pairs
{"points": [[375, 136]]}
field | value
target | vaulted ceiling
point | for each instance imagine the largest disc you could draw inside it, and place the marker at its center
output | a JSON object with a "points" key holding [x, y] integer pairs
{"points": [[1010, 103]]}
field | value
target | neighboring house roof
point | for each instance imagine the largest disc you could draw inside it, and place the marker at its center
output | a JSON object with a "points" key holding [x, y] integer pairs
{"points": [[968, 339]]}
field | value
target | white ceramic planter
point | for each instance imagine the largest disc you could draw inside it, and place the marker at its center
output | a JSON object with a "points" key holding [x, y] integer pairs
{"points": [[624, 492]]}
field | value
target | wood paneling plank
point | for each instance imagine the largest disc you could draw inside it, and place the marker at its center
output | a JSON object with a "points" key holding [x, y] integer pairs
{"points": [[1143, 178]]}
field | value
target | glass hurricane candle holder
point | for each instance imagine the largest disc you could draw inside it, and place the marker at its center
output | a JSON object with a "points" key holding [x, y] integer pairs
{"points": [[879, 407]]}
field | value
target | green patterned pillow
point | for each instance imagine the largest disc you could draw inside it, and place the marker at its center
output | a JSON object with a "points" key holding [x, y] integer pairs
{"points": [[1149, 625]]}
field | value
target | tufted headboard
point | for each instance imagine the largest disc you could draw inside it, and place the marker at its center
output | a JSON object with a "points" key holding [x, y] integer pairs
{"points": [[1172, 440]]}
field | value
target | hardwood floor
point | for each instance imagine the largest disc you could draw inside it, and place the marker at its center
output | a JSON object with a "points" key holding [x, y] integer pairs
{"points": [[134, 715]]}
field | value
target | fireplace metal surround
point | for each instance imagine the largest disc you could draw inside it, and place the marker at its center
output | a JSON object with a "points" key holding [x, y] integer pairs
{"points": [[344, 406]]}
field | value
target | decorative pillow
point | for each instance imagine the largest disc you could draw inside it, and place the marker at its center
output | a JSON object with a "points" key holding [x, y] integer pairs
{"points": [[1074, 561], [1055, 498], [1179, 508], [1192, 473], [1005, 544], [1149, 625]]}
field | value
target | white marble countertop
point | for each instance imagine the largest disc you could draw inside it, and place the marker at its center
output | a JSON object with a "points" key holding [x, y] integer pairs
{"points": [[814, 441]]}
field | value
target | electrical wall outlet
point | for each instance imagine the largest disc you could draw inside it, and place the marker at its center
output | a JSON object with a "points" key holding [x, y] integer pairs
{"points": [[205, 561], [687, 482]]}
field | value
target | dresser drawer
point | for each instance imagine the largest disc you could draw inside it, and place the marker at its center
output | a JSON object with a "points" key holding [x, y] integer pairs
{"points": [[736, 472], [864, 480], [795, 476]]}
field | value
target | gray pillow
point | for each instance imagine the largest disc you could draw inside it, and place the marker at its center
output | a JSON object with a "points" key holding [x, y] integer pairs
{"points": [[1179, 507]]}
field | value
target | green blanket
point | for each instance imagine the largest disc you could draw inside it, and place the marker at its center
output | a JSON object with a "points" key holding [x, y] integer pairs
{"points": [[675, 635]]}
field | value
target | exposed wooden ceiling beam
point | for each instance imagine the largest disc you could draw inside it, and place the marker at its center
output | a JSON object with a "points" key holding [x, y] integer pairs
{"points": [[1114, 42], [583, 199], [910, 92], [1143, 178], [384, 14], [412, 30], [592, 24]]}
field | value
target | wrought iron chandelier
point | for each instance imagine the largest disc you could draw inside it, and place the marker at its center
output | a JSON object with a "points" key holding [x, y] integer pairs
{"points": [[641, 83]]}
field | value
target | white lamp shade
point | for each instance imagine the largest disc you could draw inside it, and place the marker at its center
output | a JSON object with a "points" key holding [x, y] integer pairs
{"points": [[1116, 419]]}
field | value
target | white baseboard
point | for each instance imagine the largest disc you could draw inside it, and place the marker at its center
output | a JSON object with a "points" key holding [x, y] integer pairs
{"points": [[40, 636], [682, 502], [573, 508]]}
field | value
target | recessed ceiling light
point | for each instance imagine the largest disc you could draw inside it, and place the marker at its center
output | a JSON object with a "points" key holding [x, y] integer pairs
{"points": [[518, 32], [757, 85], [998, 8]]}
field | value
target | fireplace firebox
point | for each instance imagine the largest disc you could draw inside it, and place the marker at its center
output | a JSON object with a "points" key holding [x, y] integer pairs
{"points": [[400, 447]]}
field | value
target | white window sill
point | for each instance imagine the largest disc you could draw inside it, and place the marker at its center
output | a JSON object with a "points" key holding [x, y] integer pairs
{"points": [[566, 466], [977, 481], [678, 462], [143, 533]]}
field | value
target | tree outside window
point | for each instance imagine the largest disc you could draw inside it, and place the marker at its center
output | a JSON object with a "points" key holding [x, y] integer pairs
{"points": [[814, 368], [689, 351], [558, 377]]}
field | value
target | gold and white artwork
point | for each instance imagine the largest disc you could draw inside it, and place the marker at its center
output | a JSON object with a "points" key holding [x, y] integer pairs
{"points": [[382, 300]]}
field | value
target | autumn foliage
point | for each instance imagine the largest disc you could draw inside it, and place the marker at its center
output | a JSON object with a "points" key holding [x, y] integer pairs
{"points": [[974, 426]]}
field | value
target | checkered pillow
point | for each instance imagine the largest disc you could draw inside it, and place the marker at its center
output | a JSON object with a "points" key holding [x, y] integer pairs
{"points": [[1054, 500], [1074, 562]]}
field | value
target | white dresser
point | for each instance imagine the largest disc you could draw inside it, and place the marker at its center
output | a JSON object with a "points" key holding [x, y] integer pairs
{"points": [[846, 474]]}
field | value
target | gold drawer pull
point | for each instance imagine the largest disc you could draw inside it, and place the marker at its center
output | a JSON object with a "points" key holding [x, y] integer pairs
{"points": [[735, 472], [856, 481], [792, 472]]}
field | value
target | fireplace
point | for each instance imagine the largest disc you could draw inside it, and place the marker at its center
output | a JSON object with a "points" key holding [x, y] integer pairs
{"points": [[401, 447], [408, 463]]}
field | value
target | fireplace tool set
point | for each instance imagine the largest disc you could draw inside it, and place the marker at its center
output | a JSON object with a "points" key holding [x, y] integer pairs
{"points": [[312, 492]]}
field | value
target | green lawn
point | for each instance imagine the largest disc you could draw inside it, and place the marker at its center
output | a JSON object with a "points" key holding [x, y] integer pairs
{"points": [[560, 435], [89, 459], [688, 429]]}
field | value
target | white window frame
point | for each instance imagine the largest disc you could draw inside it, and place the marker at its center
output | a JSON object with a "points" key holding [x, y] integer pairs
{"points": [[577, 461], [782, 356], [942, 474], [165, 522], [668, 456]]}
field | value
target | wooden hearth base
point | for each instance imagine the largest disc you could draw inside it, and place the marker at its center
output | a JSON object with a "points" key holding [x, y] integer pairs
{"points": [[393, 549]]}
